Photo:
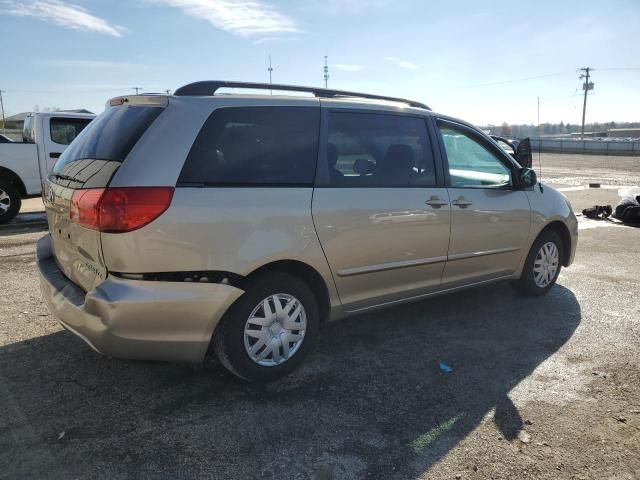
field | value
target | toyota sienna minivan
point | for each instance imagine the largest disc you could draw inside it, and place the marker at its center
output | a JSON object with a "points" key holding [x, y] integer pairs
{"points": [[237, 224]]}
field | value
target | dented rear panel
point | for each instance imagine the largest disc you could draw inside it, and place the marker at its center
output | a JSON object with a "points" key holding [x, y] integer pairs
{"points": [[90, 163]]}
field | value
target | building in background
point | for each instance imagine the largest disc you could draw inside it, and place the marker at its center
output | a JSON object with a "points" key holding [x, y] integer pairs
{"points": [[624, 132], [15, 122]]}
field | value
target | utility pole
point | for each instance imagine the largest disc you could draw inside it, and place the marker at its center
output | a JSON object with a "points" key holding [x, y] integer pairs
{"points": [[326, 72], [137, 89], [2, 107], [586, 86]]}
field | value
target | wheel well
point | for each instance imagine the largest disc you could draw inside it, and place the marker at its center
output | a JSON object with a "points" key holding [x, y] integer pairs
{"points": [[303, 271], [13, 179], [563, 232]]}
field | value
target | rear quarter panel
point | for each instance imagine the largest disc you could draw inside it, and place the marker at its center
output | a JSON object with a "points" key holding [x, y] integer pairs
{"points": [[225, 229]]}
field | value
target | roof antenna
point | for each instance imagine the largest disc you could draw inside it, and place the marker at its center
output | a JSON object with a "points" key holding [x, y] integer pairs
{"points": [[326, 72], [270, 70], [539, 142]]}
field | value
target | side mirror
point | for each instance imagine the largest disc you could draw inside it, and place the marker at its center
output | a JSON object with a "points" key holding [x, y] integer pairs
{"points": [[527, 177]]}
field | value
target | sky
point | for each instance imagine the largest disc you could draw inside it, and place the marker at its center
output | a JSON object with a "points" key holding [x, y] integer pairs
{"points": [[483, 61]]}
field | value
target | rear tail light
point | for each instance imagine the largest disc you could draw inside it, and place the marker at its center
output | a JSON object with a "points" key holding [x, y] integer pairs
{"points": [[119, 210], [84, 207]]}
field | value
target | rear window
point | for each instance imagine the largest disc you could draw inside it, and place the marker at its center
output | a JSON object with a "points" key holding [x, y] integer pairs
{"points": [[64, 130], [267, 146], [97, 152], [27, 131]]}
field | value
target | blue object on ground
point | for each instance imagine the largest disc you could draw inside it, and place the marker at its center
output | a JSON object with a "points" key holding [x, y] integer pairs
{"points": [[445, 368]]}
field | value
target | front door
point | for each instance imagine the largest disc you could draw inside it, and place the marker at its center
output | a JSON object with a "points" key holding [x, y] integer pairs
{"points": [[381, 215], [490, 220]]}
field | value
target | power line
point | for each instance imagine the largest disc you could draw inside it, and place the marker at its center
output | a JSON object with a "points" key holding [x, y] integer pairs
{"points": [[538, 77], [69, 90], [515, 80], [616, 68]]}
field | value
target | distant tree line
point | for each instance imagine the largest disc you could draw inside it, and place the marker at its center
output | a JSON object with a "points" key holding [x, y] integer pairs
{"points": [[523, 131]]}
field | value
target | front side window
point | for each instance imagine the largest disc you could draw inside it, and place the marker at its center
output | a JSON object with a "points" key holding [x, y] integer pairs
{"points": [[378, 150], [471, 165], [268, 146], [64, 130]]}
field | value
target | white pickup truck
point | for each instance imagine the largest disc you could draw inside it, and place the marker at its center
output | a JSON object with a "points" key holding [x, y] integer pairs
{"points": [[25, 165]]}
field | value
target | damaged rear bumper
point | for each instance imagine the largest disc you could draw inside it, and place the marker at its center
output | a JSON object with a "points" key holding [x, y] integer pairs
{"points": [[136, 319]]}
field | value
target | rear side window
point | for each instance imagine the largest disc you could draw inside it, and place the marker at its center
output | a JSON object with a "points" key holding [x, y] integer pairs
{"points": [[268, 146], [97, 152], [64, 130]]}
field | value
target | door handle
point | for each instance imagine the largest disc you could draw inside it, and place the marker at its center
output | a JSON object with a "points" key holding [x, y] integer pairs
{"points": [[461, 202], [436, 202], [54, 154]]}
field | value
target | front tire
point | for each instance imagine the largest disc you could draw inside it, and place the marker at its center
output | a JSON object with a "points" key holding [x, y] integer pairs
{"points": [[269, 330], [10, 201], [542, 267]]}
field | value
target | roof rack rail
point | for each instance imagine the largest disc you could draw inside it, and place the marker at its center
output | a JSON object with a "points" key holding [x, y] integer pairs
{"points": [[209, 87]]}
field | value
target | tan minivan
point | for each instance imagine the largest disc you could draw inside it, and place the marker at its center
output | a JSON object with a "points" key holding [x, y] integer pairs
{"points": [[238, 224]]}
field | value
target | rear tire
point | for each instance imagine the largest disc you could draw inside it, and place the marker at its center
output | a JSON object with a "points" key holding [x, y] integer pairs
{"points": [[261, 343], [10, 201], [542, 267]]}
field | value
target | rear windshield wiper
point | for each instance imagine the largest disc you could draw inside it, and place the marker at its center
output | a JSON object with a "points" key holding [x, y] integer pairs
{"points": [[63, 177]]}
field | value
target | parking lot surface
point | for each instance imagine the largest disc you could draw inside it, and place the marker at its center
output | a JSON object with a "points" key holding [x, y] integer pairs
{"points": [[539, 387]]}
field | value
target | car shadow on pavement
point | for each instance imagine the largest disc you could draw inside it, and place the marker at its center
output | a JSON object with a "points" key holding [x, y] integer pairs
{"points": [[371, 400]]}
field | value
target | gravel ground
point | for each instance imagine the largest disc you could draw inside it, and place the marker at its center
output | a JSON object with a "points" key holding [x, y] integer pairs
{"points": [[540, 388], [574, 170]]}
